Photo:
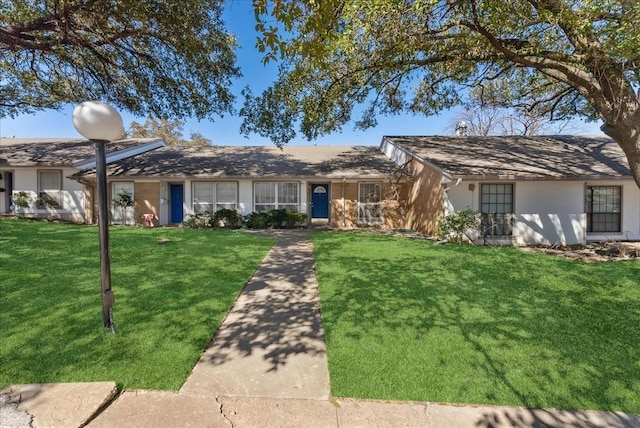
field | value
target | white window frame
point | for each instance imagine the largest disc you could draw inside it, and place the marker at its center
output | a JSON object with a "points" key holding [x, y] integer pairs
{"points": [[116, 212], [277, 198], [370, 212], [215, 202], [55, 193]]}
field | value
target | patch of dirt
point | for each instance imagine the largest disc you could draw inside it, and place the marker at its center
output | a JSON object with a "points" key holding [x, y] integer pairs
{"points": [[593, 252]]}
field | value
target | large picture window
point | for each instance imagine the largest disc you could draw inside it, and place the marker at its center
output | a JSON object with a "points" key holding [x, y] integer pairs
{"points": [[603, 206], [272, 196], [49, 189], [211, 196], [497, 209], [370, 203]]}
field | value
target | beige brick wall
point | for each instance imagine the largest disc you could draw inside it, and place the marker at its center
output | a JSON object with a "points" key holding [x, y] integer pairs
{"points": [[147, 201], [425, 200], [344, 217], [90, 209], [395, 204]]}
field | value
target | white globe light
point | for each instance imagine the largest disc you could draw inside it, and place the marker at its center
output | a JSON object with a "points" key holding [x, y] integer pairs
{"points": [[96, 120]]}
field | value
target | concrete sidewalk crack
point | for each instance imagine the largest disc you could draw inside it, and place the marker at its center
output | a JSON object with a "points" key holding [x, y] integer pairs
{"points": [[222, 411], [105, 404]]}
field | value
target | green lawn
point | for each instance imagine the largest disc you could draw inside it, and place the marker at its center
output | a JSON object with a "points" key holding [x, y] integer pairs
{"points": [[412, 320], [170, 299]]}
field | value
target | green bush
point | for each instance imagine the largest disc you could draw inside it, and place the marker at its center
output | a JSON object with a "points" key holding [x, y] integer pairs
{"points": [[227, 219], [276, 219], [295, 219], [200, 220], [22, 201], [256, 220], [459, 227]]}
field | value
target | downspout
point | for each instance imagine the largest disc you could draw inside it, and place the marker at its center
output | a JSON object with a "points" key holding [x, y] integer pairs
{"points": [[344, 208]]}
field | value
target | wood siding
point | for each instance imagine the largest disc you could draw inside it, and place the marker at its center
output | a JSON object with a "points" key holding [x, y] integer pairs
{"points": [[425, 200]]}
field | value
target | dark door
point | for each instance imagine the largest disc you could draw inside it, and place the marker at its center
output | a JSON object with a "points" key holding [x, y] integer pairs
{"points": [[319, 201], [177, 200], [8, 189]]}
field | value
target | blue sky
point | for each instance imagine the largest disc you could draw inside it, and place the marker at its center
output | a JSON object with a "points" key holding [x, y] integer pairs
{"points": [[226, 130]]}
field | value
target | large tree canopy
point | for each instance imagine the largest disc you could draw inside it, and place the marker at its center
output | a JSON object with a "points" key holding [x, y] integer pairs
{"points": [[562, 57], [161, 57], [171, 131]]}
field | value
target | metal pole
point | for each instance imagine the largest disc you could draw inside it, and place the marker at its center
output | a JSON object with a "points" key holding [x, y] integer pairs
{"points": [[103, 225]]}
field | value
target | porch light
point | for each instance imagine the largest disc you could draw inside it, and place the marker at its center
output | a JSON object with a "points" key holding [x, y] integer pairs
{"points": [[101, 124]]}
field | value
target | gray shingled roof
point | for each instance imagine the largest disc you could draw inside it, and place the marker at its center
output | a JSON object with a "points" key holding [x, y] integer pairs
{"points": [[254, 162], [56, 151], [524, 157]]}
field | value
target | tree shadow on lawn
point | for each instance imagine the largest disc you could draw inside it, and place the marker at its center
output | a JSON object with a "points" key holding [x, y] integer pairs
{"points": [[169, 300], [508, 327]]}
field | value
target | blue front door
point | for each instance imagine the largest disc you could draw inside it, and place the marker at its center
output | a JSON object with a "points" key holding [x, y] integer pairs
{"points": [[177, 200], [319, 201]]}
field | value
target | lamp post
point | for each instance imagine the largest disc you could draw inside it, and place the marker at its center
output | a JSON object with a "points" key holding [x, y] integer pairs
{"points": [[101, 124]]}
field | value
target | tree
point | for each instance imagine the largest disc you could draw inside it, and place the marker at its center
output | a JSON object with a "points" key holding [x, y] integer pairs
{"points": [[169, 130], [486, 112], [165, 57], [567, 58]]}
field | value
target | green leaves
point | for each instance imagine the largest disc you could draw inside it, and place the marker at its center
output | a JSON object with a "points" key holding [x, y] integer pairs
{"points": [[166, 58], [171, 131], [389, 56]]}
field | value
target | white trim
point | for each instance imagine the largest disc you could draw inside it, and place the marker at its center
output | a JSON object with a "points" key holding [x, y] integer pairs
{"points": [[122, 154], [380, 204], [276, 203], [393, 154]]}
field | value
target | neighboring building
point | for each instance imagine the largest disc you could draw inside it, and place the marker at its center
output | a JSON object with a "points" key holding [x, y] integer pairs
{"points": [[531, 190], [41, 168], [339, 186]]}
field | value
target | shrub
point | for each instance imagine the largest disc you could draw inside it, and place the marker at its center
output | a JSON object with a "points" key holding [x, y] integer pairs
{"points": [[276, 219], [295, 219], [459, 227], [198, 220], [226, 218], [123, 200], [256, 220], [22, 201]]}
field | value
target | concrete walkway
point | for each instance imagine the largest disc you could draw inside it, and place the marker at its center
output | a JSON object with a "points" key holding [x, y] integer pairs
{"points": [[267, 367], [271, 344]]}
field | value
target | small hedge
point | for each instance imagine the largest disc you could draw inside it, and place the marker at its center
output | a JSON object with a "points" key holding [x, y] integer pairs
{"points": [[231, 219]]}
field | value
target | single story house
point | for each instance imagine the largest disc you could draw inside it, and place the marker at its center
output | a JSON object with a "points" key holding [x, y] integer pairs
{"points": [[339, 186], [38, 171], [531, 190]]}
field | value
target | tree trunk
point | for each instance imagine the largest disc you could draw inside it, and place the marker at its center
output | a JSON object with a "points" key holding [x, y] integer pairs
{"points": [[627, 135]]}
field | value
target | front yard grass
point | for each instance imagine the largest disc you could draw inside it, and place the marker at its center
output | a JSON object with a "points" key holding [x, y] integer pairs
{"points": [[170, 299], [412, 320]]}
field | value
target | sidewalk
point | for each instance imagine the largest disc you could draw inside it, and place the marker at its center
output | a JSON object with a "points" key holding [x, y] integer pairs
{"points": [[267, 367]]}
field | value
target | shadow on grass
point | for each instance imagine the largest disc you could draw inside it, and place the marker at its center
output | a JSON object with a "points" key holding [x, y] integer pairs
{"points": [[170, 299], [478, 325]]}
